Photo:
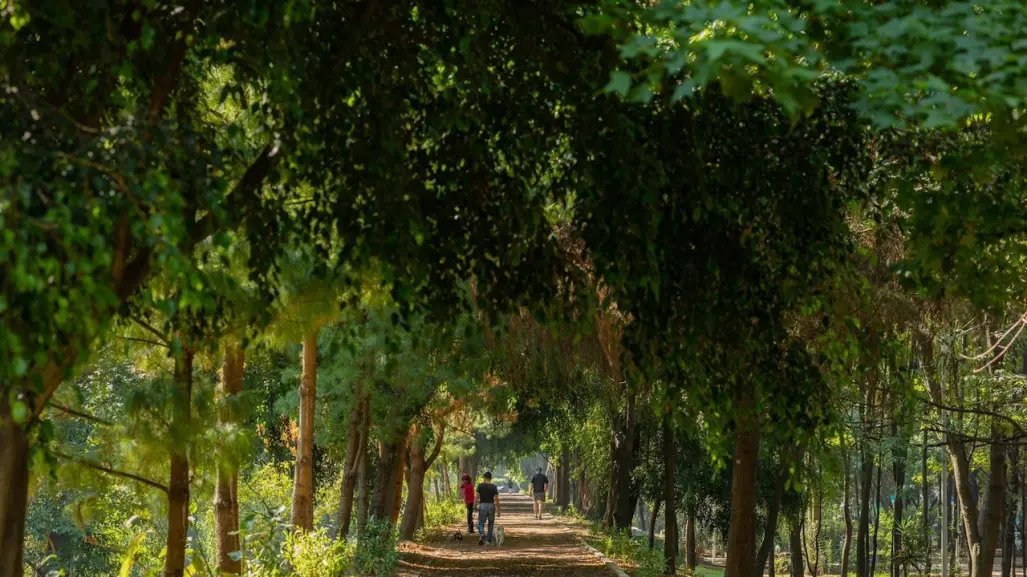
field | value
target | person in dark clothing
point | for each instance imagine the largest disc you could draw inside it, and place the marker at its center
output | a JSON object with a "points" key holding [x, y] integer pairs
{"points": [[488, 507], [467, 492], [539, 488]]}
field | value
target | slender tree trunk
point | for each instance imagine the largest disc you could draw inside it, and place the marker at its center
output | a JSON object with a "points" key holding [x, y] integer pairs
{"points": [[866, 483], [991, 514], [795, 547], [226, 503], [877, 517], [619, 510], [364, 492], [981, 539], [652, 523], [690, 557], [445, 480], [846, 510], [741, 537], [773, 512], [303, 480], [178, 483], [925, 506], [1009, 543], [670, 531], [565, 481], [14, 489], [415, 486], [356, 446], [899, 474]]}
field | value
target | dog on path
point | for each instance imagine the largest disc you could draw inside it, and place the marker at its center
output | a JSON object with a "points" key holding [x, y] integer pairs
{"points": [[500, 535], [458, 536]]}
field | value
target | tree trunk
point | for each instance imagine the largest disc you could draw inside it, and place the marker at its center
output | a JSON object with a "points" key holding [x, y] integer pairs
{"points": [[226, 503], [652, 524], [178, 483], [741, 537], [1009, 542], [690, 557], [795, 548], [619, 510], [388, 484], [364, 492], [981, 539], [899, 474], [866, 483], [14, 490], [303, 481], [994, 501], [670, 532], [415, 486], [356, 445], [846, 510], [445, 480], [773, 511], [565, 481], [580, 497], [877, 517], [925, 506]]}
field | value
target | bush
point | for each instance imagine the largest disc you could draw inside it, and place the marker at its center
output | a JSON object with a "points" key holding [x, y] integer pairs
{"points": [[441, 512], [376, 549], [315, 554]]}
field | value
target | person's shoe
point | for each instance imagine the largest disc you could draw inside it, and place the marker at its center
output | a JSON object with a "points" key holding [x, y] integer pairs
{"points": [[481, 540]]}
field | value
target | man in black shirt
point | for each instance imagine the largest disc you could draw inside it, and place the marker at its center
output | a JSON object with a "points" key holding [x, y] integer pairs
{"points": [[488, 507], [539, 488]]}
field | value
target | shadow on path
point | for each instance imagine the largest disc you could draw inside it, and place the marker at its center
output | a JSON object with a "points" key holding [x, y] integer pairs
{"points": [[531, 548]]}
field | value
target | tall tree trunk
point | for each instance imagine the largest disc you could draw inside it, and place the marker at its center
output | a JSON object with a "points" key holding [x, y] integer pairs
{"points": [[356, 446], [303, 480], [14, 490], [741, 536], [415, 485], [991, 514], [444, 471], [388, 476], [565, 481], [981, 539], [877, 516], [670, 531], [226, 502], [619, 510], [652, 523], [866, 483], [899, 474], [178, 483], [364, 491], [925, 507], [795, 548], [773, 512], [1009, 542], [690, 557], [846, 509]]}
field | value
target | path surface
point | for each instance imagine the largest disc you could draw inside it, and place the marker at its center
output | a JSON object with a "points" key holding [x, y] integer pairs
{"points": [[532, 548]]}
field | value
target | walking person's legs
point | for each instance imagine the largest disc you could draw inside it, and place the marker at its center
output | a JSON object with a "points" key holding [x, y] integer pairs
{"points": [[470, 517], [482, 508], [492, 520]]}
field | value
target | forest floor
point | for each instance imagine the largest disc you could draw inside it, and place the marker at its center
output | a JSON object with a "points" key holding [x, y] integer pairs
{"points": [[546, 548]]}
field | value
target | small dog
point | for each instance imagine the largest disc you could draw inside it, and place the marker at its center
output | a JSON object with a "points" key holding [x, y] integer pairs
{"points": [[458, 536], [500, 536]]}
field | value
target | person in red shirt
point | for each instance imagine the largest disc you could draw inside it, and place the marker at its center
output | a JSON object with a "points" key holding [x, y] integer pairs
{"points": [[467, 491]]}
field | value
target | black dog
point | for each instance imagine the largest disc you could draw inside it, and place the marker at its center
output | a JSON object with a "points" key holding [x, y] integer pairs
{"points": [[458, 536]]}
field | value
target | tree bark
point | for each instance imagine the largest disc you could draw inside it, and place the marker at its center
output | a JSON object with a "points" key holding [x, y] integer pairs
{"points": [[994, 502], [741, 537], [981, 538], [619, 510], [226, 503], [565, 481], [364, 492], [356, 445], [1009, 541], [846, 510], [388, 483], [303, 480], [651, 537], [445, 480], [795, 548], [14, 489], [877, 517], [415, 485], [670, 531], [773, 512], [178, 483], [925, 506], [866, 483], [690, 557], [899, 474]]}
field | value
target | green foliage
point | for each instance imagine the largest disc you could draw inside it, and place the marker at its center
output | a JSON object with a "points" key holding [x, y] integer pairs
{"points": [[376, 549], [315, 554], [441, 512], [621, 546]]}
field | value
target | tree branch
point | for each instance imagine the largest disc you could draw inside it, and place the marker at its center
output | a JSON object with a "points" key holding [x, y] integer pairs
{"points": [[974, 411], [105, 469], [160, 336], [81, 415], [439, 439]]}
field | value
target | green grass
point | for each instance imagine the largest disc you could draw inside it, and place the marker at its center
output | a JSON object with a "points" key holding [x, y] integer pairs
{"points": [[702, 571]]}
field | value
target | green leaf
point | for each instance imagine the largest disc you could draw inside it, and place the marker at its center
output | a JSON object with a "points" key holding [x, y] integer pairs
{"points": [[620, 83], [19, 411]]}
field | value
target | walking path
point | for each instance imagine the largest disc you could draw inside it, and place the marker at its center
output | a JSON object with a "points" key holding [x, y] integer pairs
{"points": [[532, 548]]}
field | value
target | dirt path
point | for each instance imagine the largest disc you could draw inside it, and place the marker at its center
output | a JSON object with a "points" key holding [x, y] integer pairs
{"points": [[532, 548]]}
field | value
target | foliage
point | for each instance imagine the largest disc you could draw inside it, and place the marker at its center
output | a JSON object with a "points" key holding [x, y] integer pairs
{"points": [[376, 550]]}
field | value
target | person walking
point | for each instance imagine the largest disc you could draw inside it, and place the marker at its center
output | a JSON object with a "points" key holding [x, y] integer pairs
{"points": [[488, 507], [539, 488], [467, 492]]}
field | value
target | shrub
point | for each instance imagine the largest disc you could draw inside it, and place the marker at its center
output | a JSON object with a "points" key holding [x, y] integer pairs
{"points": [[376, 549], [441, 512], [315, 554]]}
